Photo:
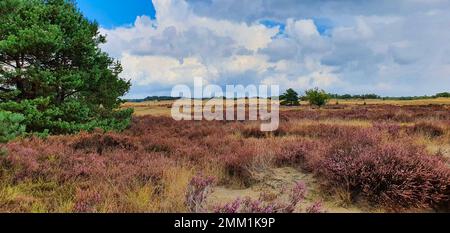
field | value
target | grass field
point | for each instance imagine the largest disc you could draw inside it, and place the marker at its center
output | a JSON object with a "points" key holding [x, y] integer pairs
{"points": [[388, 156], [162, 108]]}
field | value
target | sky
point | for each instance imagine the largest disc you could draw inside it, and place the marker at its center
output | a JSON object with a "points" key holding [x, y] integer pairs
{"points": [[391, 48]]}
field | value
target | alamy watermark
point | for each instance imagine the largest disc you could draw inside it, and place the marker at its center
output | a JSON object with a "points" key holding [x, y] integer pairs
{"points": [[261, 103]]}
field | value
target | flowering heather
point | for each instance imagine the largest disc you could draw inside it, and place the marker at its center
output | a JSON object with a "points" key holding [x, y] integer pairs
{"points": [[392, 129], [197, 191], [315, 208], [248, 205], [374, 113], [229, 208], [428, 129], [295, 153], [85, 201], [386, 173], [390, 157], [298, 193]]}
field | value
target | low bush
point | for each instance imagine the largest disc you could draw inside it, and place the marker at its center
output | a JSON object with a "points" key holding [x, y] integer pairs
{"points": [[248, 205], [254, 131], [103, 142], [237, 164], [32, 159], [378, 163], [197, 191], [390, 174], [317, 97], [392, 129], [86, 200], [428, 129], [296, 153]]}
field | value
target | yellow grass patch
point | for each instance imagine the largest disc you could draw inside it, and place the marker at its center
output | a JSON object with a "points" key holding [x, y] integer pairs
{"points": [[162, 108]]}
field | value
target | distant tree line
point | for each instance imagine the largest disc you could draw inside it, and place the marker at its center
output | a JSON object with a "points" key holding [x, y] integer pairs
{"points": [[374, 96], [319, 97], [292, 98], [153, 98], [348, 96], [443, 94]]}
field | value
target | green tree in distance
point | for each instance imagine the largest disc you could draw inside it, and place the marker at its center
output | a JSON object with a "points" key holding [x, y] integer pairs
{"points": [[53, 72], [289, 98], [443, 95], [317, 97]]}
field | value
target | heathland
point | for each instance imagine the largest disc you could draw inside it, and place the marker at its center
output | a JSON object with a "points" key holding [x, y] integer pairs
{"points": [[348, 156]]}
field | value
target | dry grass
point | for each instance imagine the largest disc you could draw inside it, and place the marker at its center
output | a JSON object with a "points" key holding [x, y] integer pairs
{"points": [[162, 108]]}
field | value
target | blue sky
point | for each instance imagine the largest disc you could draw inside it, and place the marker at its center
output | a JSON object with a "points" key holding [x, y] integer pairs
{"points": [[114, 13], [391, 48]]}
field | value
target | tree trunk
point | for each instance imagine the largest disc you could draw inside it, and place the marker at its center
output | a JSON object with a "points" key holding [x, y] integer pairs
{"points": [[20, 85]]}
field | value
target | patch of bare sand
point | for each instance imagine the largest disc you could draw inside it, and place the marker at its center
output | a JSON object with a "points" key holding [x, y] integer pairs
{"points": [[278, 181]]}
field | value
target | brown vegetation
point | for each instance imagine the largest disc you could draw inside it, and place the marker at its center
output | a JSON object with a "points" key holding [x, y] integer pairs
{"points": [[373, 156]]}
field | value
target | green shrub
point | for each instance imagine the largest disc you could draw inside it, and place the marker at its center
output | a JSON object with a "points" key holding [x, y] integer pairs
{"points": [[11, 126], [317, 97]]}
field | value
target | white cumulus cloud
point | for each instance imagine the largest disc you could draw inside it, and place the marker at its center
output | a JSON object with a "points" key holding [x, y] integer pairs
{"points": [[388, 47]]}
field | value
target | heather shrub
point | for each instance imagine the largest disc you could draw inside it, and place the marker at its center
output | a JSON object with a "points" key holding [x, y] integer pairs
{"points": [[148, 166], [27, 160], [201, 131], [295, 153], [242, 161], [374, 112], [86, 200], [392, 175], [238, 162], [129, 168], [159, 145], [321, 131], [33, 161], [197, 191], [103, 142], [248, 205], [54, 160], [296, 195], [254, 131], [400, 116], [428, 129], [315, 208], [228, 208], [391, 129]]}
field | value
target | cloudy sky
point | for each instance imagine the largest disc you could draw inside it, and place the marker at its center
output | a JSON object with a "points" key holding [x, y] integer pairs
{"points": [[387, 47]]}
